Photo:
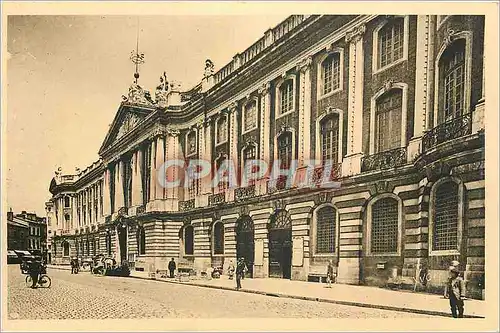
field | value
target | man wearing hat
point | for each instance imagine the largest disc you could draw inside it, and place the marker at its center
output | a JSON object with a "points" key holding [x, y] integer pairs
{"points": [[240, 271], [455, 291]]}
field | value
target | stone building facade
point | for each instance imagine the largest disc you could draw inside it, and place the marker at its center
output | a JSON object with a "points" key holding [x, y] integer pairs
{"points": [[397, 102]]}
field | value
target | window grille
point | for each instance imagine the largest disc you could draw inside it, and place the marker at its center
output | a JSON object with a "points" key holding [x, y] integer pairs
{"points": [[453, 64], [281, 220], [326, 225], [330, 139], [331, 73], [286, 92], [390, 42], [384, 227], [445, 226]]}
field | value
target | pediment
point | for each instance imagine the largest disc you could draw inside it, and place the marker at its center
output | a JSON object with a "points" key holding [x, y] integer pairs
{"points": [[126, 119]]}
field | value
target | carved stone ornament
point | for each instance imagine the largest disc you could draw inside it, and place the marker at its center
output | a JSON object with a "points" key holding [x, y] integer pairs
{"points": [[278, 204], [305, 64], [355, 34], [128, 123], [244, 210], [321, 198], [186, 221], [388, 85], [137, 95], [264, 89], [172, 132], [469, 167], [382, 186], [216, 216], [449, 37], [437, 170], [207, 121], [232, 107], [209, 68], [284, 128]]}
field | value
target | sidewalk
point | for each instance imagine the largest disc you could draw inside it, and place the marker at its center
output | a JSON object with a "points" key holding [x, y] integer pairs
{"points": [[362, 296]]}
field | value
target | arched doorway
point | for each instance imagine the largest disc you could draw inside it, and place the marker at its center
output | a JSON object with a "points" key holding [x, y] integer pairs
{"points": [[245, 246], [122, 239], [280, 245]]}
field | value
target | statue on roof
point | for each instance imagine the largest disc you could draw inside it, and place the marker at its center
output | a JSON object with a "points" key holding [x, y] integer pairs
{"points": [[209, 68], [163, 86], [162, 91]]}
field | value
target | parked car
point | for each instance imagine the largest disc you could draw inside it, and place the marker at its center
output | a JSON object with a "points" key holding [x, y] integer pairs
{"points": [[13, 258]]}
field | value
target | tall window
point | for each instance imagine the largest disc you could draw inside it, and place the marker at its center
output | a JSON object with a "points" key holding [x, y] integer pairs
{"points": [[141, 240], [388, 121], [191, 152], [101, 203], [330, 139], [89, 198], [286, 97], [219, 238], [112, 170], [189, 240], [326, 226], [146, 173], [66, 202], [127, 182], [285, 149], [191, 144], [250, 116], [331, 73], [390, 42], [453, 79], [384, 226], [66, 249], [222, 130], [222, 185], [249, 154], [96, 197], [445, 219]]}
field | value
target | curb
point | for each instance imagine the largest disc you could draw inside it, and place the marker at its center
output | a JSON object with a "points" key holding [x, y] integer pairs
{"points": [[305, 298]]}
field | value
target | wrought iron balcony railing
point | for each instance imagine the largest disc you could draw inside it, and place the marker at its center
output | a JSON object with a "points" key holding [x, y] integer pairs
{"points": [[186, 205], [318, 177], [449, 130], [385, 160], [275, 185], [244, 193], [216, 199], [141, 209]]}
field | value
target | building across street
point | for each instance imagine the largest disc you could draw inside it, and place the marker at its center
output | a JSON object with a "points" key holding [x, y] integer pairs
{"points": [[391, 110]]}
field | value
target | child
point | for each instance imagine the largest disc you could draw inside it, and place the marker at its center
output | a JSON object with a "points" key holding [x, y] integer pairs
{"points": [[330, 275], [455, 291]]}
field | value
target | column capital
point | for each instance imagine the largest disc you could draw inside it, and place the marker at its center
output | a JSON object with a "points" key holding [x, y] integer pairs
{"points": [[355, 34], [172, 132], [233, 107], [264, 89], [304, 64]]}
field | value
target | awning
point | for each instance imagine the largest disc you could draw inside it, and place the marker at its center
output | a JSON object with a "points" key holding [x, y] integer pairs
{"points": [[11, 253], [23, 253]]}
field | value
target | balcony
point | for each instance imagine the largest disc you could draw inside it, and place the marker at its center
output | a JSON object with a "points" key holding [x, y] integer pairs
{"points": [[318, 178], [216, 199], [449, 130], [275, 185], [141, 209], [186, 205], [385, 160], [244, 193]]}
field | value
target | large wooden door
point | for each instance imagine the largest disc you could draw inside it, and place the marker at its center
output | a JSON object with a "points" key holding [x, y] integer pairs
{"points": [[280, 245], [245, 244]]}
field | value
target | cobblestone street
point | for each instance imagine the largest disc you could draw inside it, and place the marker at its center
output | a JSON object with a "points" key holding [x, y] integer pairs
{"points": [[85, 296]]}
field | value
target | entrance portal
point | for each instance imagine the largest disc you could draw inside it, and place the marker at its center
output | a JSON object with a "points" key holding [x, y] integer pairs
{"points": [[245, 245], [280, 245], [122, 239]]}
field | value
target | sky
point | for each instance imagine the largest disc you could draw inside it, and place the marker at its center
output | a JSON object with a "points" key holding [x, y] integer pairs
{"points": [[66, 76]]}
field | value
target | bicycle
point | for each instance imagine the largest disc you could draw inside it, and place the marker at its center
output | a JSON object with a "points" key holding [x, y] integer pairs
{"points": [[44, 281]]}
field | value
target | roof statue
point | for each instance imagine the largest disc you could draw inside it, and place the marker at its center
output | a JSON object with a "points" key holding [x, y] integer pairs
{"points": [[162, 91], [209, 68]]}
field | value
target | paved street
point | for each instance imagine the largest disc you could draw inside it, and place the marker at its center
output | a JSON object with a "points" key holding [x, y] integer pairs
{"points": [[85, 296]]}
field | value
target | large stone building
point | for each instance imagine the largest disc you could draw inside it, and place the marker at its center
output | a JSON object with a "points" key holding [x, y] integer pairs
{"points": [[26, 231], [396, 101]]}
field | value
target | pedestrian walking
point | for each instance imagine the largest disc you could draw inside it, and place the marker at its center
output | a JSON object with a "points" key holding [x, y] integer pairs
{"points": [[171, 267], [455, 291], [330, 275], [34, 271], [241, 268], [230, 270]]}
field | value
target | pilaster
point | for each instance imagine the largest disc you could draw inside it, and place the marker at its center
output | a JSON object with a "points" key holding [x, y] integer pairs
{"points": [[136, 178], [106, 204], [119, 200], [265, 130], [304, 110], [173, 172], [233, 141]]}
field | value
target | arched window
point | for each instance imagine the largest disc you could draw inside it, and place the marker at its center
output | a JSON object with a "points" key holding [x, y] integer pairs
{"points": [[141, 240], [218, 238], [281, 220], [108, 243], [330, 73], [384, 226], [191, 144], [221, 128], [390, 42], [249, 154], [219, 162], [326, 226], [452, 81], [330, 139], [189, 240], [65, 249], [388, 121], [250, 116], [446, 217], [284, 156], [286, 97]]}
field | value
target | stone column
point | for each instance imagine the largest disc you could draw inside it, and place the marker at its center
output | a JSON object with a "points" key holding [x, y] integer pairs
{"points": [[136, 178], [233, 141], [119, 200], [423, 78], [265, 130], [352, 162], [152, 184], [159, 161], [106, 204], [173, 172], [304, 110], [206, 155]]}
